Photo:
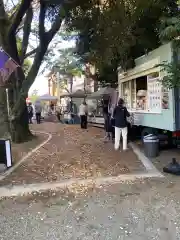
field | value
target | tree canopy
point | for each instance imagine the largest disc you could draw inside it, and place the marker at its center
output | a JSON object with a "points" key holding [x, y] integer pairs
{"points": [[114, 33], [34, 23]]}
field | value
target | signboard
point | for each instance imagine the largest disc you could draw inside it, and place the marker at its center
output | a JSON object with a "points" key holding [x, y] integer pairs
{"points": [[5, 153], [7, 67], [154, 94]]}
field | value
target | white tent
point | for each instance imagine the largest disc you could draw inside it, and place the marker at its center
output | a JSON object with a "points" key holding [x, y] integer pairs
{"points": [[103, 92], [47, 97], [77, 94]]}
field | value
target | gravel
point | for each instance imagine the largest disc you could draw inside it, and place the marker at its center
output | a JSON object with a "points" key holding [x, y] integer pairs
{"points": [[134, 211], [73, 153]]}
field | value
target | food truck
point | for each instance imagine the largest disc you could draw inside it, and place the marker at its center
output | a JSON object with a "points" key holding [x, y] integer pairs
{"points": [[154, 108]]}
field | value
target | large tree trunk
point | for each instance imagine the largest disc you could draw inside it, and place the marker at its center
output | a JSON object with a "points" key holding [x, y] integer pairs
{"points": [[19, 125], [4, 123], [20, 129]]}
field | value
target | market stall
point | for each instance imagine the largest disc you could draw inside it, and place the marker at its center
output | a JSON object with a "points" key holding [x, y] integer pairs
{"points": [[104, 94], [150, 103], [48, 103], [71, 113]]}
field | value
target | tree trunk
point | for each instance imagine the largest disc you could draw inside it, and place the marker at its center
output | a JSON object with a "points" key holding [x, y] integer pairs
{"points": [[4, 123], [20, 129], [19, 126]]}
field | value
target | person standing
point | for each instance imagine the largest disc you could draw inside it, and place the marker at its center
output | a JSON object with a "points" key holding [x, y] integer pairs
{"points": [[83, 111], [30, 112], [111, 110], [38, 110], [120, 115], [107, 124], [58, 113]]}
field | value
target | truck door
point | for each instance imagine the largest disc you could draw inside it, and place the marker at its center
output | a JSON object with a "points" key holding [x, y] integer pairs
{"points": [[177, 107]]}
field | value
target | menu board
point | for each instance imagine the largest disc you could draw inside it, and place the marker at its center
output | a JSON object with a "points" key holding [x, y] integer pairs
{"points": [[165, 98], [154, 94], [126, 94]]}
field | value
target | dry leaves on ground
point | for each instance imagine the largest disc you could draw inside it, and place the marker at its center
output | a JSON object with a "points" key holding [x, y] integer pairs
{"points": [[73, 153], [20, 150]]}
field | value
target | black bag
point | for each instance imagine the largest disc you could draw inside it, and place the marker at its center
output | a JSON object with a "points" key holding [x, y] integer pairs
{"points": [[173, 167]]}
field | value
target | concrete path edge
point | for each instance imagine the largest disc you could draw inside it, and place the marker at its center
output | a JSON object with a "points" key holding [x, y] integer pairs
{"points": [[149, 166], [13, 168], [21, 190]]}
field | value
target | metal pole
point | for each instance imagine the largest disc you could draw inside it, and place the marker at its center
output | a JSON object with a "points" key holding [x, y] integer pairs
{"points": [[7, 99]]}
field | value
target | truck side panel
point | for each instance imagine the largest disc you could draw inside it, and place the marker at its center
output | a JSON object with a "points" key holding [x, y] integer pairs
{"points": [[166, 119]]}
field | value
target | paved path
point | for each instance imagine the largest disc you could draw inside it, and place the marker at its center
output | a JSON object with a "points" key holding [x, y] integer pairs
{"points": [[73, 153], [133, 210], [142, 210]]}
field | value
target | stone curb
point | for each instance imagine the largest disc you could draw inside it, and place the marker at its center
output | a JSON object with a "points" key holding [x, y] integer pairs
{"points": [[10, 170], [22, 190]]}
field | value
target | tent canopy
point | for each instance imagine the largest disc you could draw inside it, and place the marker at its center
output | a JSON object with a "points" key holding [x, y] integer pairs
{"points": [[106, 91], [77, 94], [47, 97]]}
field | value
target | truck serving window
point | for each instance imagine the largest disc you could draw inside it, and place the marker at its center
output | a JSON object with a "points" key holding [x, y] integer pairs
{"points": [[143, 93]]}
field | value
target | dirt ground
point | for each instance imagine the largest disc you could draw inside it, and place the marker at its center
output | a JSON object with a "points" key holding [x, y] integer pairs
{"points": [[20, 150], [139, 210], [73, 153]]}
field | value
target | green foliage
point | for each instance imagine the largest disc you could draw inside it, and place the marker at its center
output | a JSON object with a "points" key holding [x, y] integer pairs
{"points": [[172, 74], [170, 29], [27, 62], [67, 64], [27, 66], [116, 32]]}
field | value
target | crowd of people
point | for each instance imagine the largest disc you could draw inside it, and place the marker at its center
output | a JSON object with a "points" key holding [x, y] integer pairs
{"points": [[38, 111], [115, 121]]}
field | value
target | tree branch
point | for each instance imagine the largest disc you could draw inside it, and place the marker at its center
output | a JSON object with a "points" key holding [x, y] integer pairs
{"points": [[32, 52], [41, 22], [25, 4], [2, 11], [26, 33], [55, 27], [40, 53], [26, 84]]}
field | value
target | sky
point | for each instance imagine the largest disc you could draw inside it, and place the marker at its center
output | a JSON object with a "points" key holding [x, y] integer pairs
{"points": [[40, 84]]}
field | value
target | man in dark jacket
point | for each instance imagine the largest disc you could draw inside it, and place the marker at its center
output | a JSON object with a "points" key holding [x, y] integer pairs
{"points": [[120, 115], [106, 116], [30, 112]]}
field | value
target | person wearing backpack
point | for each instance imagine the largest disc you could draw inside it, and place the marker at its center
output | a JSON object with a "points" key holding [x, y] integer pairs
{"points": [[120, 116], [30, 112]]}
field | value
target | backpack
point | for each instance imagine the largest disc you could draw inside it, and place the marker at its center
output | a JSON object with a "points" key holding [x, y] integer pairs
{"points": [[30, 109]]}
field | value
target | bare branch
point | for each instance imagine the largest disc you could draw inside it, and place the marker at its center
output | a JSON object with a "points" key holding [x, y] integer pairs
{"points": [[31, 53], [41, 22], [26, 33], [25, 4], [2, 11], [55, 27], [66, 89]]}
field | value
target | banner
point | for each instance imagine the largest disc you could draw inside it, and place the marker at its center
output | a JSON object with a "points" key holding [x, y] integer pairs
{"points": [[7, 67]]}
